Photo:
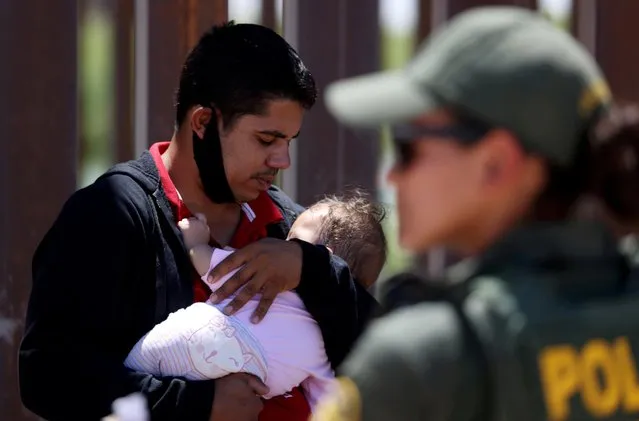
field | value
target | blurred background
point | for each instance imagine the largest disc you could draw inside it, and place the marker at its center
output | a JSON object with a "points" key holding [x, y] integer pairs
{"points": [[87, 83]]}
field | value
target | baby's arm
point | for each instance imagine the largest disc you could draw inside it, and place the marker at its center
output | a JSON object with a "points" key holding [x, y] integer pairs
{"points": [[318, 384], [196, 235], [201, 258]]}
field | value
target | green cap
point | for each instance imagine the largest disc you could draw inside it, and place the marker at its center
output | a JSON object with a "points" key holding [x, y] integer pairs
{"points": [[506, 66]]}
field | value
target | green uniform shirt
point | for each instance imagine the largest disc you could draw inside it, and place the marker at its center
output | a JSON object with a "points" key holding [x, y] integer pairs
{"points": [[417, 363]]}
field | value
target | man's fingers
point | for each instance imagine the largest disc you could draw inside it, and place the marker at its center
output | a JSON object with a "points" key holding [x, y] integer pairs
{"points": [[268, 295], [258, 386], [235, 282], [250, 289], [232, 261]]}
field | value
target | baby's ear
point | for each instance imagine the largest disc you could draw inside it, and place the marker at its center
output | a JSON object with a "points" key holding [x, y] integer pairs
{"points": [[201, 217]]}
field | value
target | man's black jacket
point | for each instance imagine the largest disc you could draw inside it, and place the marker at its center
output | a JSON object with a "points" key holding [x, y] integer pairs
{"points": [[111, 267]]}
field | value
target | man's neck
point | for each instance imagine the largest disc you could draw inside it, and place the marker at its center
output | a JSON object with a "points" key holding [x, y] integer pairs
{"points": [[178, 160]]}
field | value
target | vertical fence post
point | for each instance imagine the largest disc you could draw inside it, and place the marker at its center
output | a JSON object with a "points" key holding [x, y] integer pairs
{"points": [[456, 6], [425, 21], [123, 23], [583, 23], [607, 28], [268, 14], [38, 122], [329, 157], [172, 28]]}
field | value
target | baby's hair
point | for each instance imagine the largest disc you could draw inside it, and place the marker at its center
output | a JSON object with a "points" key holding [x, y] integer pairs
{"points": [[353, 230]]}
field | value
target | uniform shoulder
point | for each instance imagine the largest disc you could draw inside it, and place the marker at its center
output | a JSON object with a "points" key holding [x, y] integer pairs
{"points": [[409, 365], [417, 334]]}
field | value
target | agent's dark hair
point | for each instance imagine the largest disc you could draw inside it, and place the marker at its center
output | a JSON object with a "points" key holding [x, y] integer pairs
{"points": [[615, 157], [353, 230], [606, 167], [238, 68]]}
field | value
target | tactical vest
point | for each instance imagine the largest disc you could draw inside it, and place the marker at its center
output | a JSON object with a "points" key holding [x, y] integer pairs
{"points": [[546, 355], [553, 357]]}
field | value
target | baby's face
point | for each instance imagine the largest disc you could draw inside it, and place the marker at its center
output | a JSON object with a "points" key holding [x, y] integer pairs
{"points": [[308, 224]]}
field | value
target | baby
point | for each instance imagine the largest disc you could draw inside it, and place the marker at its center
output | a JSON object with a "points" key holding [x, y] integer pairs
{"points": [[286, 349]]}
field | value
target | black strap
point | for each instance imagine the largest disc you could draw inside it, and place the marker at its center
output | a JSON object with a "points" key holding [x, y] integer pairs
{"points": [[408, 289], [487, 401]]}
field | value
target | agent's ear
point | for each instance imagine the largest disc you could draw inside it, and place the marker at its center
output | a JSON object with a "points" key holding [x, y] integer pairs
{"points": [[200, 117], [500, 158]]}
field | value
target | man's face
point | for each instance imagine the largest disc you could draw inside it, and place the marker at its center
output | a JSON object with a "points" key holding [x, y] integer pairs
{"points": [[257, 146]]}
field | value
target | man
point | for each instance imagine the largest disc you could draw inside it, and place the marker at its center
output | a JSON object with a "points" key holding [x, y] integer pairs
{"points": [[494, 122], [113, 265]]}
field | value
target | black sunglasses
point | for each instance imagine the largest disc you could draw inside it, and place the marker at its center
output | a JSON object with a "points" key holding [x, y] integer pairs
{"points": [[405, 136]]}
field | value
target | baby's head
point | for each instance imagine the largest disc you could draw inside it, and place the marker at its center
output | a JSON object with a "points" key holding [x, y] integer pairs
{"points": [[351, 227]]}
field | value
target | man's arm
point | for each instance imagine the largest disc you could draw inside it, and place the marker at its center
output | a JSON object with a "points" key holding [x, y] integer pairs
{"points": [[83, 316], [410, 365], [339, 304]]}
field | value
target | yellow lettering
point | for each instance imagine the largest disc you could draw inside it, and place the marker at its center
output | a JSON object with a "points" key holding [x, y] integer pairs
{"points": [[598, 361], [628, 371], [596, 94], [603, 373], [560, 378]]}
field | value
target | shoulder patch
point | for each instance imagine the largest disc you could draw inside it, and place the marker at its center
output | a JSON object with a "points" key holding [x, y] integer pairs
{"points": [[595, 95], [342, 404]]}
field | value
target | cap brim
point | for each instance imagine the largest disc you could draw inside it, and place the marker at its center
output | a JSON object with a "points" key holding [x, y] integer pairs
{"points": [[379, 98]]}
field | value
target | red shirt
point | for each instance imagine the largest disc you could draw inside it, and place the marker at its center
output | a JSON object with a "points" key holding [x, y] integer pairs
{"points": [[254, 219]]}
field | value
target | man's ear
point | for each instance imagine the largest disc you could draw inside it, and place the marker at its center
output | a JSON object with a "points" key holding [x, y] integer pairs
{"points": [[200, 117]]}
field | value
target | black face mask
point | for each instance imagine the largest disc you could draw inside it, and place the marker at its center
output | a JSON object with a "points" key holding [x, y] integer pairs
{"points": [[208, 158]]}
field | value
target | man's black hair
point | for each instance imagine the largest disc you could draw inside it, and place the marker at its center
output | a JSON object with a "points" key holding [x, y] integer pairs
{"points": [[239, 67]]}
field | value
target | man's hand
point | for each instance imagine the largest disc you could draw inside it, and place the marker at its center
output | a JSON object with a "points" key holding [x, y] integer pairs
{"points": [[237, 398], [271, 266]]}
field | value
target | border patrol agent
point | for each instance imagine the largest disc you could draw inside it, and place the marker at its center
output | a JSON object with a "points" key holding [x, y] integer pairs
{"points": [[491, 121]]}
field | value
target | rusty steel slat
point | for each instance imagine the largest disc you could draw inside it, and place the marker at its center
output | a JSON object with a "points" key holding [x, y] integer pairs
{"points": [[174, 27], [361, 154], [38, 109], [456, 6], [575, 16], [328, 156], [616, 52], [424, 23], [122, 12], [268, 18], [207, 12], [165, 55], [605, 29]]}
